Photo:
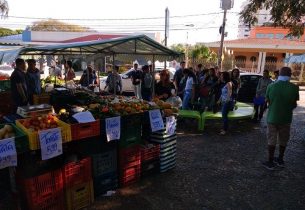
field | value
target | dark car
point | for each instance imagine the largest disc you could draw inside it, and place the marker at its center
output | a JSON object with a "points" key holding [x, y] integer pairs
{"points": [[247, 90]]}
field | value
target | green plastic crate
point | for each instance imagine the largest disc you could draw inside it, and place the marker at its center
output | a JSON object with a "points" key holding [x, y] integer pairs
{"points": [[131, 130], [21, 139]]}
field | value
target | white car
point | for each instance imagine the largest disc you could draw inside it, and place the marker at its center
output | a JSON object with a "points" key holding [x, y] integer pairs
{"points": [[126, 79], [6, 70]]}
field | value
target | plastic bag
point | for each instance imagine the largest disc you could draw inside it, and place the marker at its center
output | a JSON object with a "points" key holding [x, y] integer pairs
{"points": [[175, 101]]}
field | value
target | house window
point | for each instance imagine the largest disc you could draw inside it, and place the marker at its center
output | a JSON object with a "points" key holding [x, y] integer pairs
{"points": [[279, 36], [240, 61], [260, 35], [270, 36]]}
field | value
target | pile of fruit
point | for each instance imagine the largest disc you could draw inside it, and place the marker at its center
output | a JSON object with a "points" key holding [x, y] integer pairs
{"points": [[39, 123], [7, 132]]}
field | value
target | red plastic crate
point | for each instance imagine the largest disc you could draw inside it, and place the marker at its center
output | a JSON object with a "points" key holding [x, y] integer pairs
{"points": [[77, 172], [79, 196], [130, 175], [150, 152], [85, 130], [44, 192], [129, 157]]}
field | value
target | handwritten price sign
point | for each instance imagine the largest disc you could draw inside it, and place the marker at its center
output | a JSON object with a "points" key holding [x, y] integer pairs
{"points": [[113, 128], [156, 122], [8, 154], [171, 125], [50, 143]]}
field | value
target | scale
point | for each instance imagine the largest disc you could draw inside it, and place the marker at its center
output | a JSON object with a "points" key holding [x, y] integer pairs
{"points": [[28, 111]]}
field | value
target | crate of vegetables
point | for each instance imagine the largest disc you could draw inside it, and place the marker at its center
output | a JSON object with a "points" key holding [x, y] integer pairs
{"points": [[31, 126], [9, 130]]}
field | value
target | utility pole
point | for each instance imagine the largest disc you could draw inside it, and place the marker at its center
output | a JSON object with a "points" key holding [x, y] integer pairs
{"points": [[225, 5], [222, 38], [166, 30]]}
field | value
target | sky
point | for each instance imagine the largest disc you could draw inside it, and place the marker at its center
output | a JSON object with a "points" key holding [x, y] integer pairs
{"points": [[191, 21]]}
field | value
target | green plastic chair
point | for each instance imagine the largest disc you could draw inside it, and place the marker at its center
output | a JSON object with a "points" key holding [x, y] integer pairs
{"points": [[191, 114], [241, 113], [241, 104]]}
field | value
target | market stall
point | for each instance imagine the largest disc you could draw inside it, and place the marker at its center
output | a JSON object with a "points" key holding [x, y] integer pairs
{"points": [[78, 145]]}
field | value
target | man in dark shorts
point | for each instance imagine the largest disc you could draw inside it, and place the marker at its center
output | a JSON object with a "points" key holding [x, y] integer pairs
{"points": [[18, 84]]}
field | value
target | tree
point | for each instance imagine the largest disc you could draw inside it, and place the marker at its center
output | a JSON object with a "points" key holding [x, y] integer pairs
{"points": [[284, 13], [8, 32], [55, 25], [4, 8], [178, 48]]}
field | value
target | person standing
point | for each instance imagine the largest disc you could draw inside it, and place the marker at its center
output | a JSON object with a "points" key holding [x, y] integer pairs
{"points": [[70, 75], [178, 77], [235, 78], [146, 84], [282, 97], [225, 100], [260, 104], [18, 84], [276, 75], [33, 80], [164, 89], [189, 85], [136, 76], [114, 82]]}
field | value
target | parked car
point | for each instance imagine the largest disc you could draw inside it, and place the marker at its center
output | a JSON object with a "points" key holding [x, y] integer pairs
{"points": [[126, 79], [6, 70], [247, 90]]}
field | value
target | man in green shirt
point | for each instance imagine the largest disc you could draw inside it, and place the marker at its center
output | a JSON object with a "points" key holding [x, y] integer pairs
{"points": [[282, 97]]}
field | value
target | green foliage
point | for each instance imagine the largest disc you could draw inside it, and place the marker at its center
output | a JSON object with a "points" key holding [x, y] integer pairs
{"points": [[55, 25], [285, 13], [178, 48], [8, 32]]}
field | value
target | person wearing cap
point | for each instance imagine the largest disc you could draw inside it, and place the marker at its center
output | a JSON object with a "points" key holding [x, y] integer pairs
{"points": [[33, 80], [19, 85], [282, 97]]}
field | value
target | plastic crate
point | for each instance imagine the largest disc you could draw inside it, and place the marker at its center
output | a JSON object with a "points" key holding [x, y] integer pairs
{"points": [[43, 98], [130, 175], [44, 191], [77, 172], [21, 139], [150, 167], [150, 152], [85, 130], [104, 163], [79, 196], [5, 85], [129, 157], [104, 183], [34, 143], [130, 137]]}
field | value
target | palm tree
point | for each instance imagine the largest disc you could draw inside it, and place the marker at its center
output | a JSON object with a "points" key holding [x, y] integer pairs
{"points": [[4, 8]]}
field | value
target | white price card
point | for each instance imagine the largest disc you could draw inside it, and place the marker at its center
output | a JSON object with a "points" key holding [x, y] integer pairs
{"points": [[50, 143], [8, 154], [84, 117], [113, 128], [171, 125], [156, 121]]}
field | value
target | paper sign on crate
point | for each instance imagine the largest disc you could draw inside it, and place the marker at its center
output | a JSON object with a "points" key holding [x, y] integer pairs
{"points": [[8, 154], [156, 121], [113, 128], [171, 125], [50, 143], [84, 117]]}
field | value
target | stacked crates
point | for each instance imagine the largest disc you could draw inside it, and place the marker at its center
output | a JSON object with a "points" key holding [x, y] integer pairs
{"points": [[129, 165], [78, 183], [167, 149], [150, 159]]}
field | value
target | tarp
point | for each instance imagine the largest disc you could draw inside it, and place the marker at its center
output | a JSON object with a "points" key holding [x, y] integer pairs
{"points": [[123, 49]]}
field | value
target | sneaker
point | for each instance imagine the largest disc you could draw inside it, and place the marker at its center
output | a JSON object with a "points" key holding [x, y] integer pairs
{"points": [[269, 165], [279, 162], [222, 132]]}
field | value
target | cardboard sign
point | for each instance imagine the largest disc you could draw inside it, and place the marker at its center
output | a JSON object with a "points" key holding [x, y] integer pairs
{"points": [[8, 154], [156, 121], [113, 128], [171, 125], [50, 143], [84, 117]]}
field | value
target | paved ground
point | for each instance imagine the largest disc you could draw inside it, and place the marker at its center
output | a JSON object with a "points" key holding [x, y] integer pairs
{"points": [[215, 172]]}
